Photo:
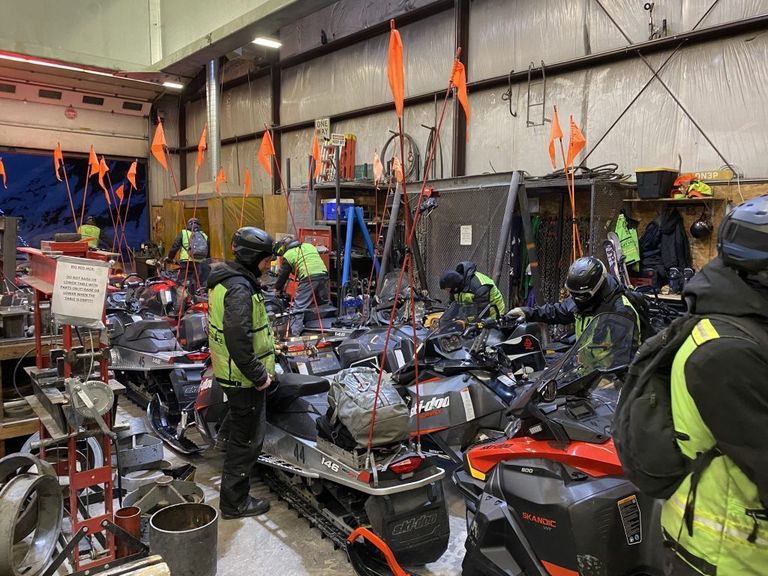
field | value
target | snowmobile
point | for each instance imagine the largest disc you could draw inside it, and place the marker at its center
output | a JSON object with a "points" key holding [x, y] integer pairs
{"points": [[551, 497], [158, 373], [396, 494]]}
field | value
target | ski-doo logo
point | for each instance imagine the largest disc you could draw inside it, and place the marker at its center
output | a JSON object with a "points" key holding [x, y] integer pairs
{"points": [[412, 524], [540, 520], [435, 403]]}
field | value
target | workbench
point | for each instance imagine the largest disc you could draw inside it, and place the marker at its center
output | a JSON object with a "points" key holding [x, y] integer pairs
{"points": [[14, 349]]}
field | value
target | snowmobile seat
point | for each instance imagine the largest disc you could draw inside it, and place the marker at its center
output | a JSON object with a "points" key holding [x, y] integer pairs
{"points": [[296, 402], [149, 336]]}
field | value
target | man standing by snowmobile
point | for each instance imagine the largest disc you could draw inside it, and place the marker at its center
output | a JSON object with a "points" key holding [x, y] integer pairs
{"points": [[718, 523], [466, 285], [591, 291], [303, 260], [243, 355]]}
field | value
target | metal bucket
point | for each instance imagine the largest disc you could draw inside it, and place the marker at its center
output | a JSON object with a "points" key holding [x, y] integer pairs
{"points": [[185, 535], [129, 519]]}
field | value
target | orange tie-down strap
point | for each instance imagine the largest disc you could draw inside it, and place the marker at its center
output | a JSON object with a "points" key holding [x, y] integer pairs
{"points": [[380, 545]]}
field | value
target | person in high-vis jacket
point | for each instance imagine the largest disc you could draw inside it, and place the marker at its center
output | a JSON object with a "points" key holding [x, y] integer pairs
{"points": [[716, 522], [303, 260], [91, 231], [466, 285], [191, 268], [243, 355], [591, 291]]}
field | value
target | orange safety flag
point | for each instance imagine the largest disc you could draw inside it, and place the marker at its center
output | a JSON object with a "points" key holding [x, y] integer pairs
{"points": [[247, 183], [93, 163], [158, 146], [266, 150], [103, 169], [220, 177], [395, 69], [58, 160], [378, 168], [201, 147], [575, 144], [397, 168], [132, 174], [120, 193], [555, 134], [2, 172], [459, 80], [316, 155]]}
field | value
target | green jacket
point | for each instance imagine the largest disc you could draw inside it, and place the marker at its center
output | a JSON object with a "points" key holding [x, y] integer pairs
{"points": [[720, 398], [630, 244], [90, 231], [303, 260], [481, 291], [239, 333], [184, 255]]}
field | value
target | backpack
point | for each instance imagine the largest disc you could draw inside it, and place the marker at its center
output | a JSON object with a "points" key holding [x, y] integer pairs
{"points": [[643, 308], [198, 245], [643, 427], [351, 398]]}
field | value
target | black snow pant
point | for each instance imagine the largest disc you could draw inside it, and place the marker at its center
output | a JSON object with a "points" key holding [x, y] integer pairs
{"points": [[247, 421]]}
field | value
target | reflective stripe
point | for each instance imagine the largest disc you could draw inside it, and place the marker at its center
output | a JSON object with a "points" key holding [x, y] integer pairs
{"points": [[712, 524], [704, 332]]}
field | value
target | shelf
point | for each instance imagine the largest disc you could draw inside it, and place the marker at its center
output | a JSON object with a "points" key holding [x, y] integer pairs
{"points": [[676, 200], [343, 221]]}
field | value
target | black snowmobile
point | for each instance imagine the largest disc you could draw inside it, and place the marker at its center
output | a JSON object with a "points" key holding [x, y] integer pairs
{"points": [[397, 494], [158, 373], [551, 498]]}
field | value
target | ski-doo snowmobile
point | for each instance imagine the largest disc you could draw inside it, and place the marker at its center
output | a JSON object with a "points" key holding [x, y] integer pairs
{"points": [[158, 373], [551, 497], [396, 494]]}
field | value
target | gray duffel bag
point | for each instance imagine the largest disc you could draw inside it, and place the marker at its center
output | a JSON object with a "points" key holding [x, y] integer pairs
{"points": [[351, 398]]}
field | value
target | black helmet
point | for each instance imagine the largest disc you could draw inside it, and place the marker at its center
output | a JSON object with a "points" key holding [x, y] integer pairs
{"points": [[743, 238], [251, 245], [282, 245], [585, 278], [702, 228], [451, 280], [90, 220], [192, 223]]}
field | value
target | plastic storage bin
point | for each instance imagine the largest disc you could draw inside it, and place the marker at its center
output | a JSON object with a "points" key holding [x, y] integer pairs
{"points": [[655, 182], [329, 208]]}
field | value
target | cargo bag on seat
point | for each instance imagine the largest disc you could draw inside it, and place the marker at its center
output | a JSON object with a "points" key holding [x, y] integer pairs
{"points": [[351, 399]]}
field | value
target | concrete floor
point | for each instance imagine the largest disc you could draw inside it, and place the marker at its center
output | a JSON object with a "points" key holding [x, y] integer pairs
{"points": [[281, 544]]}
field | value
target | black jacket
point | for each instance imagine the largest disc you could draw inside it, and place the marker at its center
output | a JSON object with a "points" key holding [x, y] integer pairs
{"points": [[241, 285], [664, 244], [566, 312], [727, 376]]}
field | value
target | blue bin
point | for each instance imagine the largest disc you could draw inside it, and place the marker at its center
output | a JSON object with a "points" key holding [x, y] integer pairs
{"points": [[329, 209]]}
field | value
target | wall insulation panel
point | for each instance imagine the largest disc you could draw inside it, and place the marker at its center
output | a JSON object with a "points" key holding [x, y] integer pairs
{"points": [[355, 77]]}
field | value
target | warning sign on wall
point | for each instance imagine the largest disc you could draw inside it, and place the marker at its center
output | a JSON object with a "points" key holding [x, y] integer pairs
{"points": [[79, 291]]}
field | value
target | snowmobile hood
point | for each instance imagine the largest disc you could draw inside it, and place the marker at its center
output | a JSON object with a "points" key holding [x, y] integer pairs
{"points": [[718, 289], [466, 269], [230, 269]]}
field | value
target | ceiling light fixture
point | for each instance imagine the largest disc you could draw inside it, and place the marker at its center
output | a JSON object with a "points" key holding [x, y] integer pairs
{"points": [[61, 66], [268, 42], [173, 85]]}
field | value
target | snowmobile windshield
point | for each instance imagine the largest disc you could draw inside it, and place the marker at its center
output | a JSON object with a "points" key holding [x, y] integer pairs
{"points": [[604, 346], [389, 287]]}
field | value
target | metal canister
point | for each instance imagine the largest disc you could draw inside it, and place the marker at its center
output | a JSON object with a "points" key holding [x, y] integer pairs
{"points": [[185, 535]]}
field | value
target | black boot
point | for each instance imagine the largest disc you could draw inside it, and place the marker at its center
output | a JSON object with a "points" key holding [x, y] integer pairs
{"points": [[254, 507]]}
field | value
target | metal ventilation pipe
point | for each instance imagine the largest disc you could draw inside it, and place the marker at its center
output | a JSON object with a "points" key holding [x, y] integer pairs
{"points": [[213, 99]]}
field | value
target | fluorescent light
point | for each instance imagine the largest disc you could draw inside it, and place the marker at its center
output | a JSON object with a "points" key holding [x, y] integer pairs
{"points": [[173, 85], [268, 42]]}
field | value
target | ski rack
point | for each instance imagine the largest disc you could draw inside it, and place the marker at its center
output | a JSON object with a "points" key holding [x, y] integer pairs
{"points": [[100, 478]]}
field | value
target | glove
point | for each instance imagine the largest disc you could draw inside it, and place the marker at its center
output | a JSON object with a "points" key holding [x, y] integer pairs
{"points": [[516, 313]]}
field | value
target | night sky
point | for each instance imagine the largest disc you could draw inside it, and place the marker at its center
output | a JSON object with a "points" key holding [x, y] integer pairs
{"points": [[34, 195]]}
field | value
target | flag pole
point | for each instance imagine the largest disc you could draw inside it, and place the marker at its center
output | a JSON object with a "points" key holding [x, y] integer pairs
{"points": [[69, 196]]}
